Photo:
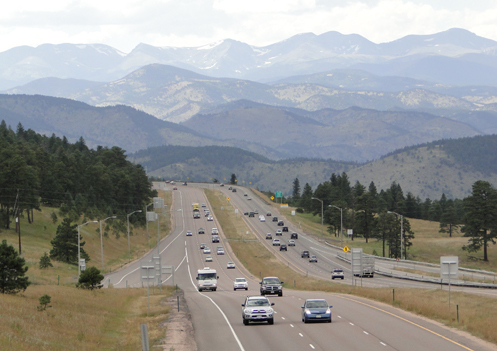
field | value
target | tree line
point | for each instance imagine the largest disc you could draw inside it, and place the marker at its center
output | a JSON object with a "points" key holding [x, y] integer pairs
{"points": [[380, 215], [38, 170]]}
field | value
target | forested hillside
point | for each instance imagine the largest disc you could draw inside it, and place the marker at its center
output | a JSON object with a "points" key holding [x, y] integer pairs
{"points": [[447, 167], [39, 170]]}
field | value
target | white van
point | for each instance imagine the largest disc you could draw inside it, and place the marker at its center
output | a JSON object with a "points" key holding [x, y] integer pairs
{"points": [[207, 279]]}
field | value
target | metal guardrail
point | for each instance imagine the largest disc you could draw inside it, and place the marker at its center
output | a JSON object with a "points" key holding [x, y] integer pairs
{"points": [[425, 280], [420, 262]]}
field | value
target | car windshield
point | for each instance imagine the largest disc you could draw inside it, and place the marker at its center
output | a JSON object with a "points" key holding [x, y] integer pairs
{"points": [[317, 304], [338, 270], [240, 280], [258, 302], [271, 281], [206, 276]]}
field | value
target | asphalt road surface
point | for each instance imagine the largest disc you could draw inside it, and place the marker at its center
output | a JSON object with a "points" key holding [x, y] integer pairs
{"points": [[358, 324]]}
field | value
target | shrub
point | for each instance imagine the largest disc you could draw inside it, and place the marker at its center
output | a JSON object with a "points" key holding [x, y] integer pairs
{"points": [[45, 261], [90, 279]]}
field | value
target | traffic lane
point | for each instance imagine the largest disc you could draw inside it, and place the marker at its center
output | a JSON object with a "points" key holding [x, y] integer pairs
{"points": [[130, 272], [323, 271], [395, 328], [230, 303], [211, 328], [318, 335], [240, 312]]}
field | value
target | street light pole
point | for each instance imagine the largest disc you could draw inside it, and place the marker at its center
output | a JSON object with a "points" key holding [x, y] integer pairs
{"points": [[341, 223], [79, 246], [315, 198], [146, 218], [401, 233], [102, 241], [129, 246]]}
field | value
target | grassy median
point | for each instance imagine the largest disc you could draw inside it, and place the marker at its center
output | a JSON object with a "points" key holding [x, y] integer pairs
{"points": [[477, 314]]}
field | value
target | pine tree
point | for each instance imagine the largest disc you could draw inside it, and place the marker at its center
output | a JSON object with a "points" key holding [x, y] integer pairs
{"points": [[296, 191], [90, 279], [45, 261], [480, 220], [448, 221], [305, 201], [12, 270], [65, 243]]}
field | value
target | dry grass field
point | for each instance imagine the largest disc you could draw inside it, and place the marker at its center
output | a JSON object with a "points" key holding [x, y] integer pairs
{"points": [[107, 319], [478, 315], [80, 319]]}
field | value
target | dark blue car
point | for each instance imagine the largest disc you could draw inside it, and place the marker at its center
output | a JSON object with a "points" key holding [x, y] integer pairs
{"points": [[316, 310]]}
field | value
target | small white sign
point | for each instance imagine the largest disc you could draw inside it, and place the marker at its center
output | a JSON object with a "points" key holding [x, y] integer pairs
{"points": [[236, 210], [293, 213], [449, 267]]}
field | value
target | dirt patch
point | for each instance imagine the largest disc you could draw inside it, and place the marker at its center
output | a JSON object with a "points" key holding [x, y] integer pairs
{"points": [[180, 335]]}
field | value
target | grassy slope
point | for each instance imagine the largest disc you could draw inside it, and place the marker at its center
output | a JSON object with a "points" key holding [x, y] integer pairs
{"points": [[478, 315], [106, 319], [36, 237], [79, 320]]}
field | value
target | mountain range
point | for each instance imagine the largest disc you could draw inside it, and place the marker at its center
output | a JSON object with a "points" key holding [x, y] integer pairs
{"points": [[311, 97], [353, 134], [434, 57], [175, 94]]}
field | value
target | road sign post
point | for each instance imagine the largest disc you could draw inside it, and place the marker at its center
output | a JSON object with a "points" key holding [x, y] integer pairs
{"points": [[356, 262], [449, 269]]}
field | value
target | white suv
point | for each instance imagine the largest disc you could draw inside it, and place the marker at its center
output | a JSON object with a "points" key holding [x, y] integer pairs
{"points": [[240, 283], [257, 308]]}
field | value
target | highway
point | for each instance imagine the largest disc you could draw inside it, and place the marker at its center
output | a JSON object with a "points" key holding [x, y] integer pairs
{"points": [[358, 324]]}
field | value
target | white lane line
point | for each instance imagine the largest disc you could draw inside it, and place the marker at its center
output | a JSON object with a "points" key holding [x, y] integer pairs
{"points": [[351, 323], [312, 346], [339, 316], [219, 308], [124, 276], [291, 325], [282, 317], [383, 343], [365, 332], [175, 269], [301, 335]]}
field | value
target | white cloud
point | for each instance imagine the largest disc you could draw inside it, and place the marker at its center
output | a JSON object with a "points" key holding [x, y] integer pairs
{"points": [[263, 6]]}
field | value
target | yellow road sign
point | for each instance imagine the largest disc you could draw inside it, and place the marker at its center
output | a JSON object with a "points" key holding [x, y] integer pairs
{"points": [[346, 249], [228, 199], [272, 197]]}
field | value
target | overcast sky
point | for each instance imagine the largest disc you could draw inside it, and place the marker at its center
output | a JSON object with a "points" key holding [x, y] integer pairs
{"points": [[125, 23]]}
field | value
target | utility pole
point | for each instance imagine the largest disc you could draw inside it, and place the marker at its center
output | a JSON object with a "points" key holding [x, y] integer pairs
{"points": [[18, 223]]}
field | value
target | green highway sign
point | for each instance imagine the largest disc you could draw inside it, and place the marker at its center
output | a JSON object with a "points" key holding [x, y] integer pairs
{"points": [[278, 194]]}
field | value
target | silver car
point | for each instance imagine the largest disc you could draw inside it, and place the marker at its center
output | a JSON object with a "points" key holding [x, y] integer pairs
{"points": [[257, 309], [337, 273], [240, 283]]}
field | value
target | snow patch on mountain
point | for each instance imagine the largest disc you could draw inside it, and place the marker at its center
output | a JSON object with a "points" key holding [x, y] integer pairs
{"points": [[210, 46]]}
